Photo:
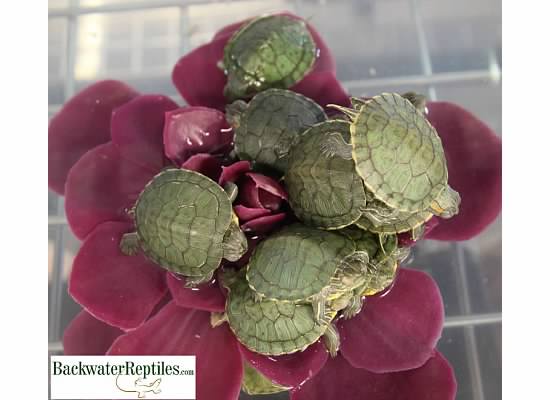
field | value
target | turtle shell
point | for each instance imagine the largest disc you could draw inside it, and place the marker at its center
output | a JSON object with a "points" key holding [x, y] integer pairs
{"points": [[398, 153], [271, 51], [270, 124], [270, 327], [323, 191], [181, 219], [297, 262]]}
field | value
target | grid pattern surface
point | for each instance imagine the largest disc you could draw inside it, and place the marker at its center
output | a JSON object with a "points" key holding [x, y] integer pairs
{"points": [[446, 49]]}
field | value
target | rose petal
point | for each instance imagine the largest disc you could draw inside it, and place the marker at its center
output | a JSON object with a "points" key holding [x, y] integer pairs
{"points": [[405, 238], [198, 78], [101, 187], [397, 330], [192, 130], [206, 297], [136, 130], [246, 213], [87, 336], [117, 289], [474, 160], [83, 123], [268, 184], [323, 88], [289, 370], [233, 172], [182, 331], [325, 61], [339, 380], [206, 164], [264, 225], [200, 81]]}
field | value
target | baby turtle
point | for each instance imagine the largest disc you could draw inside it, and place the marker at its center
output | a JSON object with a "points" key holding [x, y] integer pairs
{"points": [[266, 127], [398, 154], [323, 191], [303, 264], [271, 327], [185, 223], [274, 51]]}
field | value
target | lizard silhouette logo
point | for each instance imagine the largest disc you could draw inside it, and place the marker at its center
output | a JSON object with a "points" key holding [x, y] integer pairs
{"points": [[140, 386]]}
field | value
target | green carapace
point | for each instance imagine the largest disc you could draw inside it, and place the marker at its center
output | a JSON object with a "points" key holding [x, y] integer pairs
{"points": [[185, 223], [398, 154], [274, 51], [314, 266], [323, 191], [271, 327], [269, 124]]}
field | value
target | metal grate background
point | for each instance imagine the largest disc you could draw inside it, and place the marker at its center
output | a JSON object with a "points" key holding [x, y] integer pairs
{"points": [[449, 50]]}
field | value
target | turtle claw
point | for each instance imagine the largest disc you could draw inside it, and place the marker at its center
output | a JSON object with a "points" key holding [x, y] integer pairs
{"points": [[354, 307], [194, 281], [336, 146], [129, 244], [257, 297], [331, 339]]}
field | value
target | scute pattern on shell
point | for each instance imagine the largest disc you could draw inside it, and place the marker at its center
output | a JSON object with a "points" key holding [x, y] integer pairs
{"points": [[297, 262], [270, 327], [272, 51], [398, 153], [181, 218], [324, 192], [272, 121]]}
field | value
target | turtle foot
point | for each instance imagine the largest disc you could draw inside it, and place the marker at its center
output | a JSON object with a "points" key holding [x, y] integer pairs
{"points": [[331, 339], [194, 281], [129, 244]]}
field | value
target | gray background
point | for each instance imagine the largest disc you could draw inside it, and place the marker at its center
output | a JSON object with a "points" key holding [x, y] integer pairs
{"points": [[447, 49]]}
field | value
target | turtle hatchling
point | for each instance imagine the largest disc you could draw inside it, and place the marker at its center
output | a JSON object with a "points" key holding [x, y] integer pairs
{"points": [[271, 327], [274, 51], [185, 223], [398, 154], [308, 265], [270, 123], [323, 191]]}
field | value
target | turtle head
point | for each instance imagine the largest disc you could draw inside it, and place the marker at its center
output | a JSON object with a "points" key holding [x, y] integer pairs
{"points": [[234, 111], [234, 242]]}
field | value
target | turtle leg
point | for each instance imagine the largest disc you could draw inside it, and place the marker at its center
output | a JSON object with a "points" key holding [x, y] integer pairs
{"points": [[355, 302], [417, 232], [234, 242], [335, 145], [418, 100], [234, 112], [348, 112], [318, 304], [357, 103], [232, 191], [194, 281], [258, 297], [331, 339], [129, 244], [446, 204]]}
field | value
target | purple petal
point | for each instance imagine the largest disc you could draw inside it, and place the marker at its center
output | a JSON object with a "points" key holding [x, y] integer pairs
{"points": [[182, 331], [206, 297], [260, 191], [435, 380], [192, 130], [268, 184], [200, 81], [289, 370], [397, 330], [323, 88], [101, 187], [87, 336], [206, 164], [474, 160], [83, 123], [246, 214], [264, 225], [233, 172], [136, 130], [117, 289]]}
